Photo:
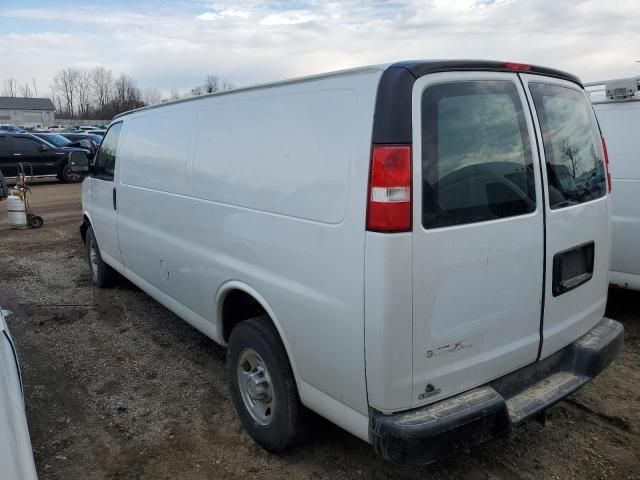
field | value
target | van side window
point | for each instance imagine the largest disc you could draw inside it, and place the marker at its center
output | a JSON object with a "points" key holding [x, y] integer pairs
{"points": [[105, 164], [476, 157], [572, 145]]}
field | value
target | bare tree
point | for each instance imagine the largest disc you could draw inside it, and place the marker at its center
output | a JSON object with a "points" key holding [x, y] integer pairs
{"points": [[35, 87], [152, 96], [83, 92], [175, 95], [199, 90], [226, 85], [57, 101], [64, 83], [127, 95], [102, 84], [211, 84], [571, 154], [25, 90], [10, 87]]}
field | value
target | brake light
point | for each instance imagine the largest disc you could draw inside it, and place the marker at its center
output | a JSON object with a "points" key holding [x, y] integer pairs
{"points": [[389, 204], [606, 163], [518, 67]]}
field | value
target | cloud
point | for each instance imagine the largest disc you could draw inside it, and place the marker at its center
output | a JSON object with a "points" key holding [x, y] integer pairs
{"points": [[224, 13], [175, 44]]}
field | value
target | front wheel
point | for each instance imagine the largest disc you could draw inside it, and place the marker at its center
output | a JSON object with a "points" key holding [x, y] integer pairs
{"points": [[262, 386], [67, 176], [102, 274]]}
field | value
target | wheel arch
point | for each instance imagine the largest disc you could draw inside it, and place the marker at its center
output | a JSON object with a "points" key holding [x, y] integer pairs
{"points": [[236, 287], [84, 226]]}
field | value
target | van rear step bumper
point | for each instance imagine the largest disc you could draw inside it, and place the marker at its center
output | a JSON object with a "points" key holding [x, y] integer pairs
{"points": [[427, 433]]}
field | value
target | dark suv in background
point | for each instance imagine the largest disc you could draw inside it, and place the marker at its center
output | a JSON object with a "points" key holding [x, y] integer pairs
{"points": [[46, 158]]}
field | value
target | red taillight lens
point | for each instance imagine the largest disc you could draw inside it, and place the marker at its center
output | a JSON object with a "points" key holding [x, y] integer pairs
{"points": [[519, 67], [389, 205], [606, 163]]}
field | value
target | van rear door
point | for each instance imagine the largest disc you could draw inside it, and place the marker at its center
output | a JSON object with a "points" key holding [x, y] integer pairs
{"points": [[478, 232], [577, 210]]}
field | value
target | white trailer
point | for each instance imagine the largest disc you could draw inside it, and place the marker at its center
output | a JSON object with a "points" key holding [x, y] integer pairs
{"points": [[617, 106]]}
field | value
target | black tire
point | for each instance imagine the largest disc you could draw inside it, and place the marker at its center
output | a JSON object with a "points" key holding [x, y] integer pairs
{"points": [[67, 176], [103, 275], [35, 221], [287, 423]]}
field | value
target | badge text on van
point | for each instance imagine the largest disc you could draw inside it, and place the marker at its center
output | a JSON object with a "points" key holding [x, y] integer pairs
{"points": [[429, 391]]}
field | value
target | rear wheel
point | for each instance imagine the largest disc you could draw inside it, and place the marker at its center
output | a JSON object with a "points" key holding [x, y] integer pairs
{"points": [[262, 386], [102, 274], [67, 176]]}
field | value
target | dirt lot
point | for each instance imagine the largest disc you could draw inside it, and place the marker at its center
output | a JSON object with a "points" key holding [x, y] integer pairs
{"points": [[116, 386]]}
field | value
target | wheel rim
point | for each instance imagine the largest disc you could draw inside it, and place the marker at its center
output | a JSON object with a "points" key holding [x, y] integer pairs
{"points": [[255, 386], [70, 176], [93, 260]]}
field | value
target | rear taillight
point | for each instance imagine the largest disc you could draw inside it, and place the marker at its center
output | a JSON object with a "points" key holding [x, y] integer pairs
{"points": [[389, 204], [606, 163]]}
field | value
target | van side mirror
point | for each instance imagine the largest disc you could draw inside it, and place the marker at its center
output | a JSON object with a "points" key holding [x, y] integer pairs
{"points": [[79, 162]]}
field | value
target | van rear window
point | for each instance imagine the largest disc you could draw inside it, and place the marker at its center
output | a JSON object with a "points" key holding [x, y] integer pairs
{"points": [[572, 145], [476, 157]]}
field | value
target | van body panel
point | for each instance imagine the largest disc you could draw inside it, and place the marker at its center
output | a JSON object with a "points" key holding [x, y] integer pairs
{"points": [[478, 286], [569, 315], [265, 209], [620, 125], [389, 312]]}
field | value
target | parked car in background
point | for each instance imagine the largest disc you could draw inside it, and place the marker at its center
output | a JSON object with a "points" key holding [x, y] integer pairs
{"points": [[16, 455], [382, 245], [61, 140], [56, 128], [8, 127], [617, 106], [44, 157], [74, 136], [100, 133]]}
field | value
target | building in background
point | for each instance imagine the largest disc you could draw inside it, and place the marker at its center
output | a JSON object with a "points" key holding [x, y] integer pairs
{"points": [[28, 112]]}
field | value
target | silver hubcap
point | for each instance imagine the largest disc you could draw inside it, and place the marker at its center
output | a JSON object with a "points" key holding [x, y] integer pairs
{"points": [[93, 260], [255, 386]]}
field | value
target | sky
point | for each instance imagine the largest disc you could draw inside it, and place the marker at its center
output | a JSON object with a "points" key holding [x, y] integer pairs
{"points": [[175, 44]]}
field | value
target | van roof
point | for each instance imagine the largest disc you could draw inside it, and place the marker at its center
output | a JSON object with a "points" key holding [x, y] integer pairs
{"points": [[416, 68]]}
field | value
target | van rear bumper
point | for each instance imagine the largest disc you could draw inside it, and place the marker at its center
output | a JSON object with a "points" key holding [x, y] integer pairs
{"points": [[424, 434]]}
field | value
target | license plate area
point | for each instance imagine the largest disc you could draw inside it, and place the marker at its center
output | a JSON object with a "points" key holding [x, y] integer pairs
{"points": [[572, 268]]}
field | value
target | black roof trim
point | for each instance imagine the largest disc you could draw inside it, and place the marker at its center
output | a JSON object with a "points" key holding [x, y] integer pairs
{"points": [[392, 120], [422, 67]]}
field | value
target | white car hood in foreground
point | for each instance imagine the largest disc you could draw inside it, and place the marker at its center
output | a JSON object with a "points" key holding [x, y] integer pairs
{"points": [[16, 456]]}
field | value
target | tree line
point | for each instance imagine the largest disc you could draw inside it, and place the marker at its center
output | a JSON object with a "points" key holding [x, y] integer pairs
{"points": [[95, 93]]}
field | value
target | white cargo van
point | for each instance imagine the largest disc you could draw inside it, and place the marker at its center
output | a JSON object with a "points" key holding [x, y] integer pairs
{"points": [[403, 249], [617, 106]]}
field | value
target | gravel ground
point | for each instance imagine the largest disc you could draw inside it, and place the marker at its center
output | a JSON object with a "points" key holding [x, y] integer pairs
{"points": [[116, 386]]}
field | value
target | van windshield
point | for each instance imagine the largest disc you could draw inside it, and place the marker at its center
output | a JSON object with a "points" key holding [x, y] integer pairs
{"points": [[572, 146]]}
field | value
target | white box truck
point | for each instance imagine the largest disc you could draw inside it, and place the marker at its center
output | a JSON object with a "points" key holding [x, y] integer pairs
{"points": [[617, 106], [408, 250]]}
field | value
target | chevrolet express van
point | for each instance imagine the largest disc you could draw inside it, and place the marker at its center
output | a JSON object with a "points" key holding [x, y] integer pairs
{"points": [[404, 249], [617, 107]]}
